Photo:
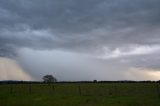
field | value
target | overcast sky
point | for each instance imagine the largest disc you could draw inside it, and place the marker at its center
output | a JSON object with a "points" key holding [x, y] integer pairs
{"points": [[80, 39]]}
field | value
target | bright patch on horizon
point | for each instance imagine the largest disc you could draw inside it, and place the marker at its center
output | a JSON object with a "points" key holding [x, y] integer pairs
{"points": [[142, 74]]}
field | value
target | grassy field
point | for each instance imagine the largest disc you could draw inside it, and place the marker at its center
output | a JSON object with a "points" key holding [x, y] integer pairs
{"points": [[80, 94]]}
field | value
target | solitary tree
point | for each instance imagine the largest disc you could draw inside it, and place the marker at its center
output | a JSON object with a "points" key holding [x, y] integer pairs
{"points": [[49, 78]]}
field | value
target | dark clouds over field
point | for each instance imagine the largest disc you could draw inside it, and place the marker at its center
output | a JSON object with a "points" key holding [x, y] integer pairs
{"points": [[82, 39]]}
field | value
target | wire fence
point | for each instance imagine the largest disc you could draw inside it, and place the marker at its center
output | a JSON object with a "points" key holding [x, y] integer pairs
{"points": [[82, 89]]}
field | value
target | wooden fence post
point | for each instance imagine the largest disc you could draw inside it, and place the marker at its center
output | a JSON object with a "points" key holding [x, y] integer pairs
{"points": [[30, 88], [79, 89], [53, 89], [11, 89], [158, 90], [115, 90]]}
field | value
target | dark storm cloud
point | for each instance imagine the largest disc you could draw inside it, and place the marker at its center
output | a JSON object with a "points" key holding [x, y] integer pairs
{"points": [[86, 26], [75, 22], [77, 16]]}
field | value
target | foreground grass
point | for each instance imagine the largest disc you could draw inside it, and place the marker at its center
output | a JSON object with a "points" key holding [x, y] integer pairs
{"points": [[130, 94]]}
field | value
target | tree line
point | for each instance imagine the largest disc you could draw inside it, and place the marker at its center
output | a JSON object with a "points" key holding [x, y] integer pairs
{"points": [[51, 79]]}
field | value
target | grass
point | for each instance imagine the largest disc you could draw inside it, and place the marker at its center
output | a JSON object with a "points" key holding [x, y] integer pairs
{"points": [[84, 94]]}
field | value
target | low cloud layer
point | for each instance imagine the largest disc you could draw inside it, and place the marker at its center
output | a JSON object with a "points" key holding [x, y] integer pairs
{"points": [[96, 35]]}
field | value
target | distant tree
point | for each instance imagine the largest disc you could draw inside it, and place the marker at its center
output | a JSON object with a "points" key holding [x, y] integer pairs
{"points": [[49, 79], [95, 81]]}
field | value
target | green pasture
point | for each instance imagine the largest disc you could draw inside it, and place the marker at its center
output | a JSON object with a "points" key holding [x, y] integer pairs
{"points": [[80, 94]]}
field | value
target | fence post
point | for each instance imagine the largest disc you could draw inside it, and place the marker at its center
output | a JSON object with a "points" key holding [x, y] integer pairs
{"points": [[115, 90], [79, 89], [30, 88], [158, 90], [53, 89], [11, 89]]}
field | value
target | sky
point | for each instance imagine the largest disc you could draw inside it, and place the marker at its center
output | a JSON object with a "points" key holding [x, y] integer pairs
{"points": [[76, 40]]}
